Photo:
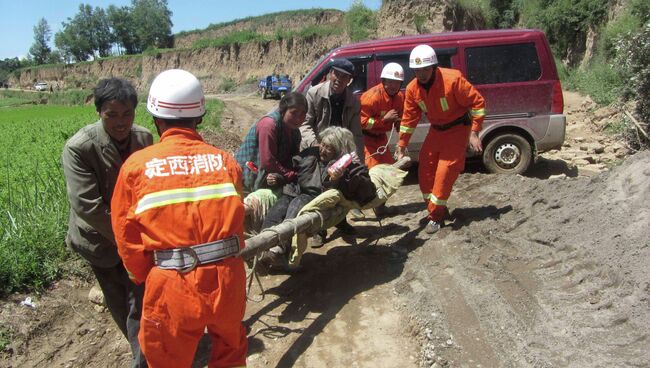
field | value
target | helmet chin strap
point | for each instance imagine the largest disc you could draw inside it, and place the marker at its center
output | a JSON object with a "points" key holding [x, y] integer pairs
{"points": [[159, 129]]}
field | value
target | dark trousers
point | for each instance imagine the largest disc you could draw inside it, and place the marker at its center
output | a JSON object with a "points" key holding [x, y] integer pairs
{"points": [[287, 207], [124, 301]]}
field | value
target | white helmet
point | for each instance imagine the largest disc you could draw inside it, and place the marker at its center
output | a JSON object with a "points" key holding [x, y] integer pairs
{"points": [[176, 94], [422, 56], [393, 71]]}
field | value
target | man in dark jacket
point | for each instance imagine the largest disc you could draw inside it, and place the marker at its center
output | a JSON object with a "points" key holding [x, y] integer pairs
{"points": [[332, 103], [91, 162]]}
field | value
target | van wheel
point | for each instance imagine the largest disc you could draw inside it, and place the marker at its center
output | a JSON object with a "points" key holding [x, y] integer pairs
{"points": [[507, 154]]}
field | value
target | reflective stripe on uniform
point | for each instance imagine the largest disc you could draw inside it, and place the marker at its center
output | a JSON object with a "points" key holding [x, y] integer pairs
{"points": [[430, 197], [477, 112], [173, 196], [130, 274], [422, 106], [405, 129], [443, 104], [371, 122], [438, 202]]}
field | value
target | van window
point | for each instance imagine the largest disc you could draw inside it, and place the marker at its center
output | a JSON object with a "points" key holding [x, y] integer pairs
{"points": [[360, 81], [444, 60], [502, 63]]}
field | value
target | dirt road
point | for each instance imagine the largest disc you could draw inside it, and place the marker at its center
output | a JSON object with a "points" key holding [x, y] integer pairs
{"points": [[543, 270]]}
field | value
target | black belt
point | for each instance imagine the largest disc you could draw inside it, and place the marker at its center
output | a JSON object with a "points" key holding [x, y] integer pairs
{"points": [[373, 134], [187, 258], [465, 120]]}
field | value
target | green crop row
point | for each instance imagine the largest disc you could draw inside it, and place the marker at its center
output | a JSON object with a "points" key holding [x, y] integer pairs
{"points": [[33, 202]]}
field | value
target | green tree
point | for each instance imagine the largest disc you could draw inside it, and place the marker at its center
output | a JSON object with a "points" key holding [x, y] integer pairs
{"points": [[505, 13], [634, 53], [102, 38], [123, 29], [86, 35], [72, 44], [55, 57], [360, 22], [40, 51], [9, 65], [152, 19], [75, 40], [566, 22]]}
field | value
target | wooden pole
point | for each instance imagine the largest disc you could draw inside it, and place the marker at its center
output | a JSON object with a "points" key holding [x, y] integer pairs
{"points": [[306, 223]]}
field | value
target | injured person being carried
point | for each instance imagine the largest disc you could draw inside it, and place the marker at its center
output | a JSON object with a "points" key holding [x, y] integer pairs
{"points": [[328, 175]]}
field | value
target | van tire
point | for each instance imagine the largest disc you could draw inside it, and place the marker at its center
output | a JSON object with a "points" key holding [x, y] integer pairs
{"points": [[507, 154]]}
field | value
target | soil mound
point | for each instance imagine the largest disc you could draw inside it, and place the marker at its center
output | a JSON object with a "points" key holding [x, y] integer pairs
{"points": [[537, 272]]}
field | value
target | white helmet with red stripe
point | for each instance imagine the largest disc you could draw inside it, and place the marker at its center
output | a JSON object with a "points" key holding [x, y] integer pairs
{"points": [[393, 71], [176, 94], [422, 56]]}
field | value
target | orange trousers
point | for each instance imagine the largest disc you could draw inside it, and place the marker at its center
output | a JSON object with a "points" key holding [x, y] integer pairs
{"points": [[442, 159], [370, 146], [178, 307]]}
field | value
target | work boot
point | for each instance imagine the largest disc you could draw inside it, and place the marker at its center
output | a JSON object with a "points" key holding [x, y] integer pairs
{"points": [[432, 227], [383, 211], [318, 240], [346, 228]]}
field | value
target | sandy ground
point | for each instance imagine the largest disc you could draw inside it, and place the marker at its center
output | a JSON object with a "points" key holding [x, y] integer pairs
{"points": [[543, 270]]}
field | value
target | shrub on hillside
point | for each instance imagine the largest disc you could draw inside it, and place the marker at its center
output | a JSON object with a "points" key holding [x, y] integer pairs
{"points": [[633, 55], [564, 22], [228, 85], [360, 22], [600, 81]]}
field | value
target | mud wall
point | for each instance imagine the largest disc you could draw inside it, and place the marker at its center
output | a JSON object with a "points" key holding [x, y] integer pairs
{"points": [[405, 17], [212, 65], [284, 22]]}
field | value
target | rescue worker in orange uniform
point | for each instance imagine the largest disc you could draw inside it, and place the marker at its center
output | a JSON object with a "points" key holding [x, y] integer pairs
{"points": [[381, 110], [178, 220], [455, 110]]}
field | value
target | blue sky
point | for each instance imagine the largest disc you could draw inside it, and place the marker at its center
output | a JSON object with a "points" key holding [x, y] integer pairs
{"points": [[20, 16]]}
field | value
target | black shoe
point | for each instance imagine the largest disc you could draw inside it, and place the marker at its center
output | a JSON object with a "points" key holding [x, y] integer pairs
{"points": [[383, 211], [346, 228]]}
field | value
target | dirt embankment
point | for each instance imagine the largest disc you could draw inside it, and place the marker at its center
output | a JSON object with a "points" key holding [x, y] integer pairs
{"points": [[214, 66], [285, 22]]}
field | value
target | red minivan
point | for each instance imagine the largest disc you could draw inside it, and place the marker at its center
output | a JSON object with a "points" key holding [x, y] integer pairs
{"points": [[513, 69]]}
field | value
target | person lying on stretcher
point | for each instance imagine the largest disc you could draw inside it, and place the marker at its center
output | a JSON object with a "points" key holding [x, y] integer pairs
{"points": [[317, 172]]}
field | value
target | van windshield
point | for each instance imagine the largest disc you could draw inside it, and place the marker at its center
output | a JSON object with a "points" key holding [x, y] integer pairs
{"points": [[312, 69]]}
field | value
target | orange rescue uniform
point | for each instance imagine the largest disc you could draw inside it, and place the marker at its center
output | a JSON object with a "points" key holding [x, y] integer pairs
{"points": [[179, 193], [442, 157], [375, 103]]}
